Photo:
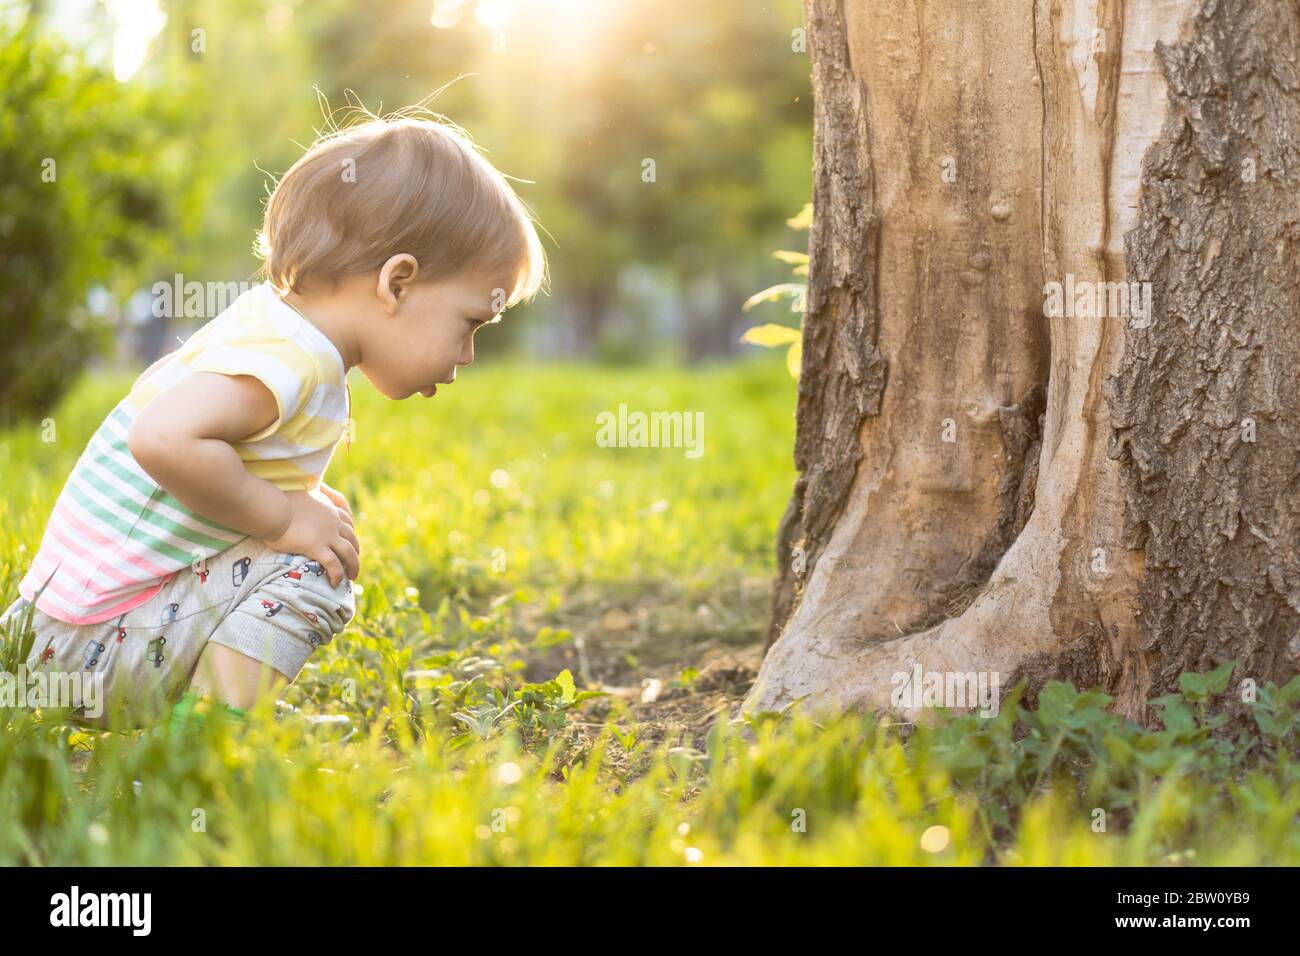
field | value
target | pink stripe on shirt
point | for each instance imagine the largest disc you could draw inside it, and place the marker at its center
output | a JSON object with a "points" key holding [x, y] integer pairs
{"points": [[62, 614], [70, 511]]}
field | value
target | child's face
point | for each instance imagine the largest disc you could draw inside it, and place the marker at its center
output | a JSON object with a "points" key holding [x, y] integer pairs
{"points": [[430, 333]]}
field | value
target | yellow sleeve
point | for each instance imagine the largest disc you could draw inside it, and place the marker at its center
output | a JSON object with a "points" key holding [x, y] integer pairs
{"points": [[280, 364]]}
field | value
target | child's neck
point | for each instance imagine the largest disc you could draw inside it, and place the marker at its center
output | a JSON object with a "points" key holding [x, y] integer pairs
{"points": [[332, 315]]}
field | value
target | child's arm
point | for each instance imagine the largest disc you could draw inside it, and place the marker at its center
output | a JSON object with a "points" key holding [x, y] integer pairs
{"points": [[183, 439]]}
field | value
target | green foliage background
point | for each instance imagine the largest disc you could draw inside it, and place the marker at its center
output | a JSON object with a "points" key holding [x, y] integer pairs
{"points": [[96, 189]]}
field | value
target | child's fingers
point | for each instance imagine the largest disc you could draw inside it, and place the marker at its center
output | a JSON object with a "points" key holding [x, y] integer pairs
{"points": [[347, 518], [337, 498], [329, 560], [349, 535], [351, 562]]}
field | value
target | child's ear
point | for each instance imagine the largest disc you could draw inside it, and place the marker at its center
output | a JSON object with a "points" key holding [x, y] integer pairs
{"points": [[395, 277]]}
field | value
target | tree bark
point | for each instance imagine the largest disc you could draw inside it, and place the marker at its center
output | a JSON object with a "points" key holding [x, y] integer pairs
{"points": [[1068, 497]]}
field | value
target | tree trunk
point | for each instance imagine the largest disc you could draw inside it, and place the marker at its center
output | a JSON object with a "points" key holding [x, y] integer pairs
{"points": [[710, 308], [590, 309], [1108, 495]]}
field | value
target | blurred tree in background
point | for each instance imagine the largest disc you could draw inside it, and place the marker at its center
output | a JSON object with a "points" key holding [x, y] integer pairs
{"points": [[662, 145], [95, 190], [672, 134]]}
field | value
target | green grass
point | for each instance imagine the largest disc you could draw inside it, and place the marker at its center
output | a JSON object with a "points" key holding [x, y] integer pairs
{"points": [[473, 734]]}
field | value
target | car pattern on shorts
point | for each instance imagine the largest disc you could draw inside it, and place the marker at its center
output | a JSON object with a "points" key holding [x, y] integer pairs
{"points": [[93, 649]]}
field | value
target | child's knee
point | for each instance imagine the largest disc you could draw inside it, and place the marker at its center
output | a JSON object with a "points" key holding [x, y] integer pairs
{"points": [[292, 612], [304, 590]]}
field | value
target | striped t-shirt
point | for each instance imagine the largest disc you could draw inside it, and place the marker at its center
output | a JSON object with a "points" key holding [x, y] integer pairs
{"points": [[115, 537]]}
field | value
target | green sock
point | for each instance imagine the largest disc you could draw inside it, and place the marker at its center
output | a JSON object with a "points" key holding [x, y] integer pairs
{"points": [[193, 710]]}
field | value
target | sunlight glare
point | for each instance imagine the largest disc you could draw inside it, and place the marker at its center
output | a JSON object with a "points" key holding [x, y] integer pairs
{"points": [[565, 14], [135, 24], [446, 13], [496, 14]]}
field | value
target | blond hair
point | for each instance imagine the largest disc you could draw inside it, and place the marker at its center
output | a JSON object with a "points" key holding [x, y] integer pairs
{"points": [[365, 192]]}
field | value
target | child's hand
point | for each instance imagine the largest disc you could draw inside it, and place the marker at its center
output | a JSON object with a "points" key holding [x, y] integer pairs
{"points": [[338, 499], [323, 532]]}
